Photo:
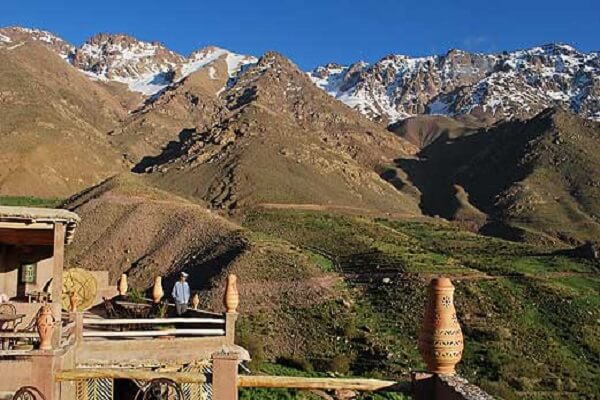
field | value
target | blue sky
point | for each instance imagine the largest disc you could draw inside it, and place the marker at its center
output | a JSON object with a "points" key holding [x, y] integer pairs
{"points": [[316, 32]]}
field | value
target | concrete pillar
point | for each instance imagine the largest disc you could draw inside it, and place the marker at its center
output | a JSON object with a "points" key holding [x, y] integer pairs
{"points": [[225, 376]]}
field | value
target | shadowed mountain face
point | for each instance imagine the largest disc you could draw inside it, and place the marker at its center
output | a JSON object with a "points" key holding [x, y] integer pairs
{"points": [[534, 179]]}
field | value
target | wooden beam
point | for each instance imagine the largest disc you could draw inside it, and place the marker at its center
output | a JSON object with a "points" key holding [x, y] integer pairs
{"points": [[26, 237], [98, 321], [293, 382], [162, 332], [57, 279], [25, 225], [133, 374]]}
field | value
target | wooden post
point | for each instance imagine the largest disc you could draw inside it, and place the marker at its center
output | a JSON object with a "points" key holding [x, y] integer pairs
{"points": [[225, 376], [230, 319], [57, 279], [78, 328], [231, 299]]}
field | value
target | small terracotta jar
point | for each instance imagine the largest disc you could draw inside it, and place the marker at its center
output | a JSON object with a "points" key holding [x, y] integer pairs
{"points": [[157, 290], [441, 339], [232, 298], [45, 326], [195, 301], [123, 285]]}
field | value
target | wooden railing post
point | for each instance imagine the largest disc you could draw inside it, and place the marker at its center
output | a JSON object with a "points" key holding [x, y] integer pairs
{"points": [[230, 319], [78, 317], [231, 301]]}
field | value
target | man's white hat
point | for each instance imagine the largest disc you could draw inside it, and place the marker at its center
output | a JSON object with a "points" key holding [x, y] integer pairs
{"points": [[184, 274]]}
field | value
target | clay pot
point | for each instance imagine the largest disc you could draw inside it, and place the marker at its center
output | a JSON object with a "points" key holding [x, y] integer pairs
{"points": [[232, 298], [195, 301], [45, 326], [157, 290], [123, 285], [441, 339]]}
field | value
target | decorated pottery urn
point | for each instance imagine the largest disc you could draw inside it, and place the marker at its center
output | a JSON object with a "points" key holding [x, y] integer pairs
{"points": [[441, 339], [45, 325], [232, 298], [157, 290], [123, 285], [195, 301]]}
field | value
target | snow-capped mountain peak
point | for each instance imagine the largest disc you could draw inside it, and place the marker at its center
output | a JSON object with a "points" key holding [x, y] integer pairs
{"points": [[15, 36], [491, 86]]}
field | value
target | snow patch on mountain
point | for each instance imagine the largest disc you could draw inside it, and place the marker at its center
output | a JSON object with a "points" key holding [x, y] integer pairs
{"points": [[146, 67]]}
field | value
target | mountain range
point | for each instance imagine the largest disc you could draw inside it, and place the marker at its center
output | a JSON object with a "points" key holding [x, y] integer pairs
{"points": [[488, 87], [232, 131]]}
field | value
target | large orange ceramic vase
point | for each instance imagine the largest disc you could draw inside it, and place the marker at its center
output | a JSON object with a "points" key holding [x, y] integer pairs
{"points": [[441, 339], [45, 326], [232, 297]]}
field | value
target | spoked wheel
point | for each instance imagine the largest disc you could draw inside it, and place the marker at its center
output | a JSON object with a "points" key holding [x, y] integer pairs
{"points": [[28, 393], [160, 389]]}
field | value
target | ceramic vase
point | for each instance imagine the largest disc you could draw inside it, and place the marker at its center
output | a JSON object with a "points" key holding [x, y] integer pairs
{"points": [[232, 298], [441, 339], [123, 285], [45, 326], [195, 301], [157, 291]]}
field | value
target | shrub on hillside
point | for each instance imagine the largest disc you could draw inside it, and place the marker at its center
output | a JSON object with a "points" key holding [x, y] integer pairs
{"points": [[299, 363], [340, 364]]}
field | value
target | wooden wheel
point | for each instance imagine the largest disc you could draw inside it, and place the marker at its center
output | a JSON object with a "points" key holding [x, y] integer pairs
{"points": [[83, 284], [160, 389]]}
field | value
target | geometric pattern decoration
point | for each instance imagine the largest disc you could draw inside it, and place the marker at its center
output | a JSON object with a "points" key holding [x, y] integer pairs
{"points": [[196, 391], [95, 389]]}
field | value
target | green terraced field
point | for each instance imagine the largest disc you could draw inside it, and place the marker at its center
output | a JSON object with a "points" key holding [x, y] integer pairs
{"points": [[530, 315]]}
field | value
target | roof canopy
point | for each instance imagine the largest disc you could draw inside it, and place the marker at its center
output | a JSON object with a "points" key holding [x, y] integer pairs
{"points": [[39, 218]]}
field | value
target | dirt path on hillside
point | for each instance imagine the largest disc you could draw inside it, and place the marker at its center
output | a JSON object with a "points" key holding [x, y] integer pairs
{"points": [[336, 207]]}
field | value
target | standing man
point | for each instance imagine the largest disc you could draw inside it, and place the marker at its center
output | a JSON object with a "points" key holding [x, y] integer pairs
{"points": [[181, 294]]}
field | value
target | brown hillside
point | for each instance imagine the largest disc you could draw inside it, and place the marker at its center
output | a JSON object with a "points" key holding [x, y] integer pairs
{"points": [[282, 140], [52, 126], [134, 228], [422, 130], [128, 226], [537, 179]]}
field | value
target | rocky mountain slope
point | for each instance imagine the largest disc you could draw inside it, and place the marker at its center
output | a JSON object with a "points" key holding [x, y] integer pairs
{"points": [[489, 86], [279, 139]]}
